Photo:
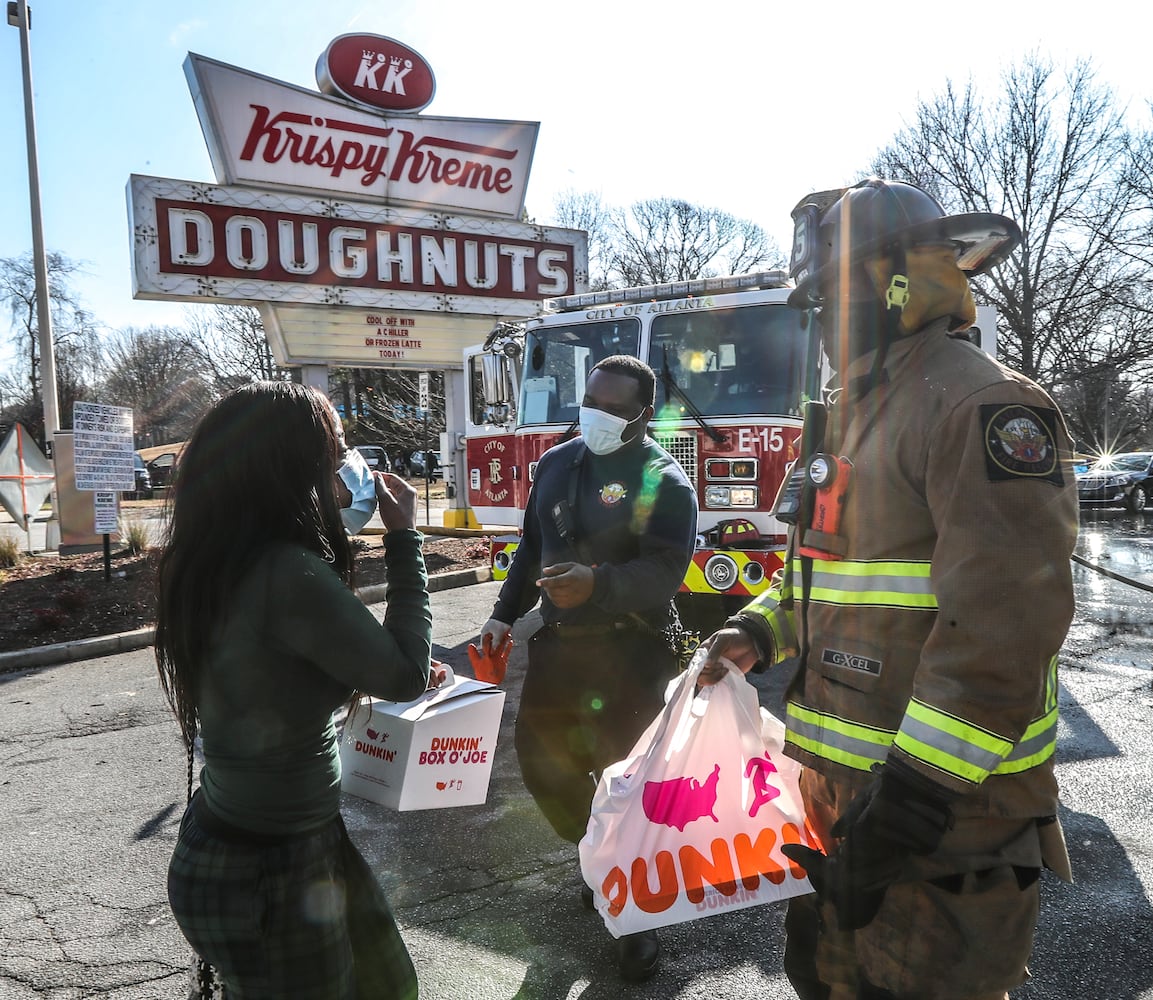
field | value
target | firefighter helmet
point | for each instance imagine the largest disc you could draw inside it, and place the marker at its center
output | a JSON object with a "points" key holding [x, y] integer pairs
{"points": [[739, 532], [877, 216]]}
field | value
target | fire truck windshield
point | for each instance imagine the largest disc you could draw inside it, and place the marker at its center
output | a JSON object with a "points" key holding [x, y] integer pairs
{"points": [[558, 360], [746, 360]]}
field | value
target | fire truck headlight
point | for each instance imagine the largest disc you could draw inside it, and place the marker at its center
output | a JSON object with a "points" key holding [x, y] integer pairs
{"points": [[717, 496], [730, 496]]}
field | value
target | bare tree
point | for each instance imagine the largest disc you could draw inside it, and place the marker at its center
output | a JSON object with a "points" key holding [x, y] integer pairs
{"points": [[587, 211], [1054, 153], [667, 239], [157, 372], [75, 339], [664, 239], [232, 345]]}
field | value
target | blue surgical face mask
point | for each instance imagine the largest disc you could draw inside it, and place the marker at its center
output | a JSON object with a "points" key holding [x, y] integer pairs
{"points": [[602, 432], [357, 476]]}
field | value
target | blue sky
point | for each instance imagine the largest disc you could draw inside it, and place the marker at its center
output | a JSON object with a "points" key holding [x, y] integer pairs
{"points": [[741, 105]]}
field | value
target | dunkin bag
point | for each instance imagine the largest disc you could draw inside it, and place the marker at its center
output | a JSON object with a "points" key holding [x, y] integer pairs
{"points": [[692, 822]]}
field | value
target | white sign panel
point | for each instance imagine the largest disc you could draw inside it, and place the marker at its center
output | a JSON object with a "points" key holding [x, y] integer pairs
{"points": [[424, 391], [197, 242], [265, 132], [102, 447], [370, 338], [104, 508]]}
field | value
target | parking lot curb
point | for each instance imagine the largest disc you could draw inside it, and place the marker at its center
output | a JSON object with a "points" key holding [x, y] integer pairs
{"points": [[123, 642]]}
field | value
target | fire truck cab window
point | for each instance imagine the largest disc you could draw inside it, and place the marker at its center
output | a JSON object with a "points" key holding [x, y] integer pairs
{"points": [[733, 362], [559, 360]]}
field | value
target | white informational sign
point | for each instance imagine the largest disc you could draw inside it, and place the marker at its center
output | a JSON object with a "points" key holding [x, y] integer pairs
{"points": [[102, 447], [424, 391], [371, 338], [104, 507]]}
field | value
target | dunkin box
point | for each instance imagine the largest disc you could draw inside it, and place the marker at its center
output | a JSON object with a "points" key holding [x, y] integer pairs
{"points": [[432, 753]]}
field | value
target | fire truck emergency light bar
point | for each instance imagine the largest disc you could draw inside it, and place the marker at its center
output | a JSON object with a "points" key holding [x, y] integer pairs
{"points": [[673, 290]]}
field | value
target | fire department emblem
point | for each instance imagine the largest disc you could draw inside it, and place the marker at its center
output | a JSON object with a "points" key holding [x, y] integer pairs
{"points": [[1021, 442], [613, 493]]}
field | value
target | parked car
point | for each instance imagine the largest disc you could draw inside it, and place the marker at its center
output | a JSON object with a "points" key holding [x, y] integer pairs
{"points": [[160, 469], [143, 490], [1118, 480], [375, 456], [425, 464]]}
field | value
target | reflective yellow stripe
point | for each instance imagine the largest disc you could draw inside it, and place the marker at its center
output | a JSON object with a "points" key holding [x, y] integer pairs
{"points": [[1037, 745], [860, 747], [836, 739], [885, 583], [950, 744], [780, 623]]}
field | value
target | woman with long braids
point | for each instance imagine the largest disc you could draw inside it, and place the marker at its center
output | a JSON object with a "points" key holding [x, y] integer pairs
{"points": [[259, 640]]}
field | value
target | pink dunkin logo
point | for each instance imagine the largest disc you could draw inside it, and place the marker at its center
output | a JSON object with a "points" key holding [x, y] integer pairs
{"points": [[679, 801]]}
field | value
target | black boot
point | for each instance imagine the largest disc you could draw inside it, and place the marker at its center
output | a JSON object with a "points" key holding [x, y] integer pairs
{"points": [[638, 955]]}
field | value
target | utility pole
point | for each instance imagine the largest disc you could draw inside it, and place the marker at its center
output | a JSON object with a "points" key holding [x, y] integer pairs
{"points": [[19, 16]]}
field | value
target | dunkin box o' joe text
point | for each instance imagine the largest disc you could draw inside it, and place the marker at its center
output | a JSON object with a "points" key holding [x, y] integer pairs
{"points": [[431, 753]]}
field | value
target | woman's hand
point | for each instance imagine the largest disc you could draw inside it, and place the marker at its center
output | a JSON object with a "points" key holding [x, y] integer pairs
{"points": [[437, 675], [396, 500]]}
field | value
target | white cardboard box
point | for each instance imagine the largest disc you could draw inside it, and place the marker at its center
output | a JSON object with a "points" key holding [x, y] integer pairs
{"points": [[432, 753]]}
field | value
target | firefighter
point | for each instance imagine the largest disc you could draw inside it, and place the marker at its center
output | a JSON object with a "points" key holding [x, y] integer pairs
{"points": [[926, 593]]}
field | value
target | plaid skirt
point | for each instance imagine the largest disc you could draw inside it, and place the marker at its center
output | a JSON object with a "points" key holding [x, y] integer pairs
{"points": [[300, 917]]}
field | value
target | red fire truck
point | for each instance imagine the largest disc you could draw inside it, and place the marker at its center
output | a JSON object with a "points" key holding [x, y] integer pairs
{"points": [[734, 366]]}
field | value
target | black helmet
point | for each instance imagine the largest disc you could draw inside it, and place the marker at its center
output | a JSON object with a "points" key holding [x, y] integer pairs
{"points": [[883, 215]]}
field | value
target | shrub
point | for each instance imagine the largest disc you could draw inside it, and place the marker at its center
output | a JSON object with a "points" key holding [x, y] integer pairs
{"points": [[135, 536], [10, 552]]}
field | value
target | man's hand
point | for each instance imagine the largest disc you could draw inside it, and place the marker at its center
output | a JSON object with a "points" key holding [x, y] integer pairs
{"points": [[568, 585], [733, 644]]}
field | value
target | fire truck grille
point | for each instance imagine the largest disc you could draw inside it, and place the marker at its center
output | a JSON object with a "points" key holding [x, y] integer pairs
{"points": [[683, 447]]}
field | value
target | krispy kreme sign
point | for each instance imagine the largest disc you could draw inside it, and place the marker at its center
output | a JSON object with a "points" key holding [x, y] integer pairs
{"points": [[198, 241], [268, 133], [378, 71]]}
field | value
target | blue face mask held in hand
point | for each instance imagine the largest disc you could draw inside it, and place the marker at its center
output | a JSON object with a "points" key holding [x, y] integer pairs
{"points": [[357, 476]]}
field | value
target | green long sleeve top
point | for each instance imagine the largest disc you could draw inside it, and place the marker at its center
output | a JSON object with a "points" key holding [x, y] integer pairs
{"points": [[295, 644]]}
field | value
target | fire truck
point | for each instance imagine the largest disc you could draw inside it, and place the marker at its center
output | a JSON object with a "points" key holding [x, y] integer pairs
{"points": [[734, 366]]}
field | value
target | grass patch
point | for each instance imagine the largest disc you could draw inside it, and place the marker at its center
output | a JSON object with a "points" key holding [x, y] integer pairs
{"points": [[10, 552], [135, 535]]}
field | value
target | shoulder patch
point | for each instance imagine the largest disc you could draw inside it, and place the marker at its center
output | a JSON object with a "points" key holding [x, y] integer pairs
{"points": [[1021, 442]]}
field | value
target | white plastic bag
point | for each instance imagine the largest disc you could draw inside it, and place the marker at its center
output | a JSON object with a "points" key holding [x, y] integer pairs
{"points": [[692, 822]]}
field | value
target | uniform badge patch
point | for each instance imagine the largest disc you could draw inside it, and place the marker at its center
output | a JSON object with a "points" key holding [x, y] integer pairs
{"points": [[1021, 442], [613, 493]]}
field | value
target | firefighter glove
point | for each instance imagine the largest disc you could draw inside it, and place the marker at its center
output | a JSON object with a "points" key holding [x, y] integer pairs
{"points": [[899, 814]]}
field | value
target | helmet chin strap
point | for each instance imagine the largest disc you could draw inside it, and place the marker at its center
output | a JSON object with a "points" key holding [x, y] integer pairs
{"points": [[888, 327]]}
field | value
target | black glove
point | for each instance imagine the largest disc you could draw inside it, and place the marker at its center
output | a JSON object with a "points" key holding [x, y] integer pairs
{"points": [[899, 814]]}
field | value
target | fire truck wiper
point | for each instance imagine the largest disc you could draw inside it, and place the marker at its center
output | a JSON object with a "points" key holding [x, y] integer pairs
{"points": [[672, 389]]}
